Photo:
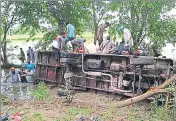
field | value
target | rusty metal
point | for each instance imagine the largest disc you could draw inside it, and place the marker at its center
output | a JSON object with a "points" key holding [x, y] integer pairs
{"points": [[121, 74]]}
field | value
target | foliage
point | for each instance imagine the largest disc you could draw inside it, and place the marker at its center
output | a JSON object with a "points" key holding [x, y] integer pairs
{"points": [[4, 99], [32, 15], [55, 14], [9, 18], [37, 116], [164, 105], [13, 13], [158, 112], [99, 12], [144, 19], [41, 92], [164, 33]]}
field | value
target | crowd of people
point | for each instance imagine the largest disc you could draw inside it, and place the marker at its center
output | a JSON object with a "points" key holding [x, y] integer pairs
{"points": [[30, 55], [108, 47], [67, 42], [25, 73]]}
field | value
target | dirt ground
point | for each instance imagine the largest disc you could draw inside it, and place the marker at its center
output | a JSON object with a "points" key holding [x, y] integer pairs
{"points": [[85, 104]]}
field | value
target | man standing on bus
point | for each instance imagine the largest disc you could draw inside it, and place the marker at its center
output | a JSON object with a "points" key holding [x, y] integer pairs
{"points": [[127, 36], [100, 33]]}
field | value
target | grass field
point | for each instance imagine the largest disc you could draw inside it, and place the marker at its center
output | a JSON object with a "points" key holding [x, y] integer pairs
{"points": [[89, 36], [23, 37]]}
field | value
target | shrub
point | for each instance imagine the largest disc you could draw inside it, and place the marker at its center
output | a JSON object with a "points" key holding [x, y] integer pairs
{"points": [[41, 92]]}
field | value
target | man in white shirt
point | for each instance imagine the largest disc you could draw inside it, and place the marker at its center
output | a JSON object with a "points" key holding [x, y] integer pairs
{"points": [[29, 75], [58, 45], [127, 36]]}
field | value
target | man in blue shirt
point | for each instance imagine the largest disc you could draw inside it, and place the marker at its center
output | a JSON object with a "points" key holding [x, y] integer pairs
{"points": [[70, 32], [122, 49]]}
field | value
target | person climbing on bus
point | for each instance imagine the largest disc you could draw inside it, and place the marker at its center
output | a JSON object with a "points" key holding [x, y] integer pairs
{"points": [[70, 32], [107, 47], [100, 33], [58, 45], [79, 45], [70, 35], [127, 36]]}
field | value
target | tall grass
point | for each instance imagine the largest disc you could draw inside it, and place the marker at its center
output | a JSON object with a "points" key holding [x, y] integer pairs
{"points": [[41, 92]]}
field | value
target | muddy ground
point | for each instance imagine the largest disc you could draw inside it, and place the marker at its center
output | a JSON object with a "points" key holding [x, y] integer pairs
{"points": [[85, 104]]}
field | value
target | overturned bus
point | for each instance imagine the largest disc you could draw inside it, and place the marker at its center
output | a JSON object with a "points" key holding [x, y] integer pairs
{"points": [[122, 74]]}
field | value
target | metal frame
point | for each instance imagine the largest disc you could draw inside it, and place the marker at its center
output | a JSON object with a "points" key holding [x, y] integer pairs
{"points": [[103, 73]]}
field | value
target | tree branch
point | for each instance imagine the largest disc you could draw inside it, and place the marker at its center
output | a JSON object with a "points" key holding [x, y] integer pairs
{"points": [[142, 28], [155, 90]]}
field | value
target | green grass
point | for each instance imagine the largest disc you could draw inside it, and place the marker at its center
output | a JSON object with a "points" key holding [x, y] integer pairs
{"points": [[41, 92], [89, 36], [74, 113], [24, 37], [39, 36]]}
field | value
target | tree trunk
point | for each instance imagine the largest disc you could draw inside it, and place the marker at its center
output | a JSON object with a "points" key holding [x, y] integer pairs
{"points": [[59, 27], [133, 17], [5, 54], [95, 22], [2, 59], [155, 90], [139, 98], [4, 47]]}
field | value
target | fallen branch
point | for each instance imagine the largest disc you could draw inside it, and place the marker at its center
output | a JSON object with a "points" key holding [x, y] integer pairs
{"points": [[156, 90], [167, 82]]}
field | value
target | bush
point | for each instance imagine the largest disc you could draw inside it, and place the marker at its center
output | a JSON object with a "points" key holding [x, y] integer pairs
{"points": [[41, 92]]}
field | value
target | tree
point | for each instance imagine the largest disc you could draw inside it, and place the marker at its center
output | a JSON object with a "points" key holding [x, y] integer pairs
{"points": [[143, 18], [57, 13], [26, 13], [99, 10], [9, 19], [31, 14]]}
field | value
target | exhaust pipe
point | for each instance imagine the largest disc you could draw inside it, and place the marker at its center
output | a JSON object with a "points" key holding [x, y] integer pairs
{"points": [[92, 73]]}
